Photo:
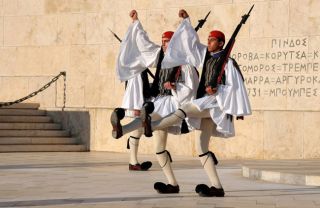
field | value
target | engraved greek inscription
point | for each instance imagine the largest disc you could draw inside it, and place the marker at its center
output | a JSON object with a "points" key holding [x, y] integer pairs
{"points": [[289, 70], [289, 43]]}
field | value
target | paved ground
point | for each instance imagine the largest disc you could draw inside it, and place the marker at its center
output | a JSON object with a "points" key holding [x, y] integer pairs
{"points": [[103, 180]]}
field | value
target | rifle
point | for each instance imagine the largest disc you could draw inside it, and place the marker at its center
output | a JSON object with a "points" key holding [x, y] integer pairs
{"points": [[201, 22], [117, 37], [217, 77]]}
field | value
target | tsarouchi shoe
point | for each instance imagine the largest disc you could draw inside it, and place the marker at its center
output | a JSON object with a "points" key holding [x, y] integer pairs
{"points": [[141, 167], [162, 188], [145, 112], [116, 116], [204, 191]]}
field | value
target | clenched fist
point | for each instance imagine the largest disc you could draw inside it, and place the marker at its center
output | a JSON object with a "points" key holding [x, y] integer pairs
{"points": [[134, 15], [183, 14], [211, 90], [169, 86]]}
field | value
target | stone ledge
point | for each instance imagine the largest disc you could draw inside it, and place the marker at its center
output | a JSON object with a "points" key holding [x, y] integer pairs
{"points": [[298, 172]]}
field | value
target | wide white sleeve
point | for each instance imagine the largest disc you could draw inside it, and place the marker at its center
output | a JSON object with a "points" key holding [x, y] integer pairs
{"points": [[232, 97], [184, 48], [137, 52], [187, 89]]}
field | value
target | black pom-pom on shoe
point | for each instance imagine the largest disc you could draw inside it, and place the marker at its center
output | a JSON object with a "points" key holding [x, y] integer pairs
{"points": [[146, 165]]}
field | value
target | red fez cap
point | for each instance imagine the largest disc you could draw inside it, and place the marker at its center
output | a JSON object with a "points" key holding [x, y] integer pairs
{"points": [[217, 34], [167, 34]]}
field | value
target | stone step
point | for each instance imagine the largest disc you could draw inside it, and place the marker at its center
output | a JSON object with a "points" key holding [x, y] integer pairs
{"points": [[34, 133], [22, 112], [37, 140], [22, 106], [33, 126], [25, 119], [42, 148]]}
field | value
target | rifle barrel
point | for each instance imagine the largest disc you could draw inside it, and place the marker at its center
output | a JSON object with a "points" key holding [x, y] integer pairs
{"points": [[115, 35]]}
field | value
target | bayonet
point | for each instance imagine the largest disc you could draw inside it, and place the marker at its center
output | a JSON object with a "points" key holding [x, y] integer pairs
{"points": [[246, 16], [201, 22]]}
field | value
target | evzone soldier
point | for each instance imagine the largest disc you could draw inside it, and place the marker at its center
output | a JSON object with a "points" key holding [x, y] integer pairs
{"points": [[137, 85], [171, 88], [221, 96]]}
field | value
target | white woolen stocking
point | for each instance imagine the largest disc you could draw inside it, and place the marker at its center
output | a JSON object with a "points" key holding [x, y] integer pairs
{"points": [[134, 146], [164, 158], [202, 144]]}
